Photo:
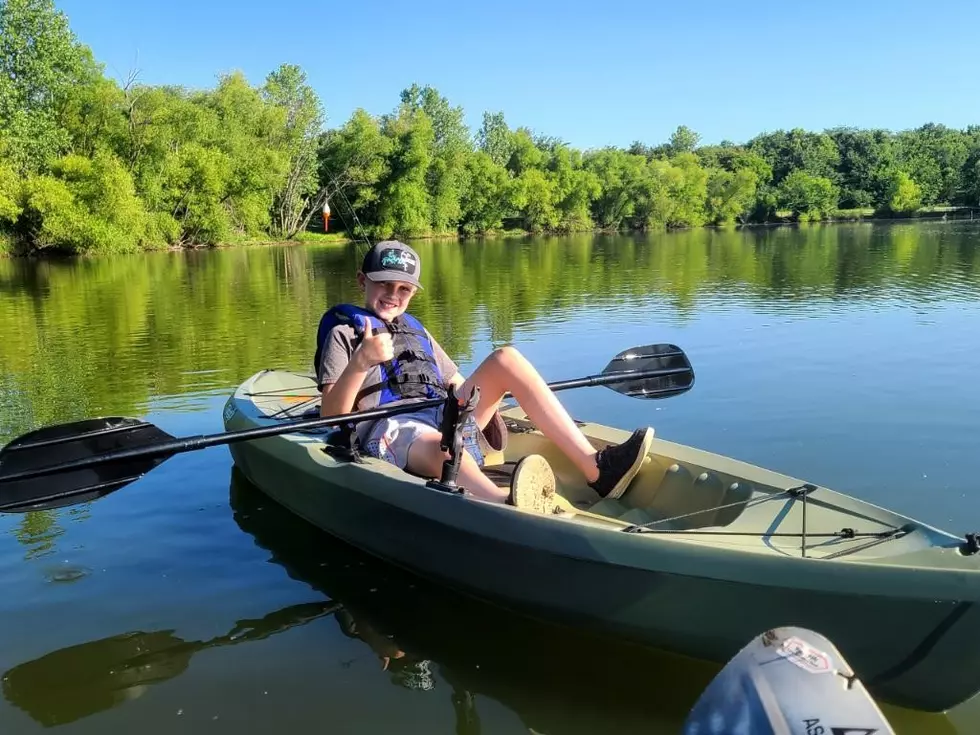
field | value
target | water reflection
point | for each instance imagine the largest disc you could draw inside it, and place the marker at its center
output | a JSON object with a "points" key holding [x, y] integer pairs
{"points": [[38, 531], [169, 324], [79, 681]]}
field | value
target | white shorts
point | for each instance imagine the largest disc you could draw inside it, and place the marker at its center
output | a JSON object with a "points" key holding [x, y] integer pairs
{"points": [[389, 439]]}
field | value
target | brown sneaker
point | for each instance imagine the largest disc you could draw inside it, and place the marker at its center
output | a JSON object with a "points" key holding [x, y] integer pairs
{"points": [[532, 486]]}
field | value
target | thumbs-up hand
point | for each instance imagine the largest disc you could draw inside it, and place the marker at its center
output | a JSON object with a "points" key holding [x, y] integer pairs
{"points": [[374, 348]]}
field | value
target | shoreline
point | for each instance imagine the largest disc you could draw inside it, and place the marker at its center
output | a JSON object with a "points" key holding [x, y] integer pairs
{"points": [[929, 214]]}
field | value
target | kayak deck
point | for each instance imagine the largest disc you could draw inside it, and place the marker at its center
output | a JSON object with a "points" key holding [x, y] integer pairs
{"points": [[692, 495]]}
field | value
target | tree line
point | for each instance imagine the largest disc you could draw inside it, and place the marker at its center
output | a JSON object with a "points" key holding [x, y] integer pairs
{"points": [[89, 164]]}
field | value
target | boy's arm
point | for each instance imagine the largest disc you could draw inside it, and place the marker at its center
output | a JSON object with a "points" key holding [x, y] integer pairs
{"points": [[339, 396]]}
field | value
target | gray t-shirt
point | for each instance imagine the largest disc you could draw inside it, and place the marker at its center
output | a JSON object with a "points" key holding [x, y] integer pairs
{"points": [[337, 351]]}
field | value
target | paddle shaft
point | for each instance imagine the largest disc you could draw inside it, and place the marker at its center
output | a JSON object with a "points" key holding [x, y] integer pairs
{"points": [[618, 377], [193, 443]]}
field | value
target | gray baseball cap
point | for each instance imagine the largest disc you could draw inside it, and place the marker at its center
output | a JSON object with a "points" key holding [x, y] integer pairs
{"points": [[391, 260]]}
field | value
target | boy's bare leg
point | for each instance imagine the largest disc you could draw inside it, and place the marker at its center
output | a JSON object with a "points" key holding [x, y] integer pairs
{"points": [[425, 457], [507, 370]]}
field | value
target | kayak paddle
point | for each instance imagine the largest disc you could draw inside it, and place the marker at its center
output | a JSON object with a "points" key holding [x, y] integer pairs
{"points": [[84, 460]]}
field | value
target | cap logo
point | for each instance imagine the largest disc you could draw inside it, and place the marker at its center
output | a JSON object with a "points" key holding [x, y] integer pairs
{"points": [[392, 259]]}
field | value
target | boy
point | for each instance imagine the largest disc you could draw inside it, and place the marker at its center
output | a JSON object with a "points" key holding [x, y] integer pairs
{"points": [[379, 354]]}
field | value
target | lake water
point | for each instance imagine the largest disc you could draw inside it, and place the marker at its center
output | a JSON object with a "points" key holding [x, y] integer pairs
{"points": [[847, 355]]}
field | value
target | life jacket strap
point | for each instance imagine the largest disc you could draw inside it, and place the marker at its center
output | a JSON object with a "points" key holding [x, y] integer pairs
{"points": [[403, 379]]}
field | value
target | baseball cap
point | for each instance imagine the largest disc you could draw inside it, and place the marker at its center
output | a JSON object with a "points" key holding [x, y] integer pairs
{"points": [[391, 260]]}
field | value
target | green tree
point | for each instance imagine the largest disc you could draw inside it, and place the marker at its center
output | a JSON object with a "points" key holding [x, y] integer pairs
{"points": [[904, 195], [688, 188], [867, 164], [621, 177], [494, 138], [446, 178], [935, 156], [574, 189], [449, 131], [167, 139], [297, 197], [40, 62], [808, 197], [10, 195], [734, 159], [971, 180], [659, 202], [489, 196], [683, 140], [404, 205], [639, 148], [535, 198], [524, 154], [92, 116], [87, 205], [815, 154], [255, 165], [353, 160], [731, 196]]}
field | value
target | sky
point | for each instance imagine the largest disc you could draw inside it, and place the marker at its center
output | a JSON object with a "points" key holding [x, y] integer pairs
{"points": [[592, 74]]}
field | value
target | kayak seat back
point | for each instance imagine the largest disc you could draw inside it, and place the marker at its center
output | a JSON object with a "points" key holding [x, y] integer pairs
{"points": [[671, 488]]}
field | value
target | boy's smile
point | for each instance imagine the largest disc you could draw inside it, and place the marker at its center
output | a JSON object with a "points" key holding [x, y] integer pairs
{"points": [[387, 299]]}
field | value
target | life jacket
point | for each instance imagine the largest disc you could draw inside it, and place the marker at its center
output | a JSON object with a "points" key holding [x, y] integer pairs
{"points": [[413, 373]]}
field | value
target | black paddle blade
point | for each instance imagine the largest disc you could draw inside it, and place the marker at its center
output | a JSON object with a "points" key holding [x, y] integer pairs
{"points": [[650, 371], [54, 445]]}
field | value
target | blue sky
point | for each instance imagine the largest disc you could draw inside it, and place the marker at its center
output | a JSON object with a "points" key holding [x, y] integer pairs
{"points": [[592, 74]]}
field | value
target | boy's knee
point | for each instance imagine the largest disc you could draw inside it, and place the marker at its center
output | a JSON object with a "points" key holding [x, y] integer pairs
{"points": [[507, 356]]}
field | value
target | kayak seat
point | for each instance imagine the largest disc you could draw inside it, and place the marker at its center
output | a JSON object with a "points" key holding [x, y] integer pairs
{"points": [[680, 490]]}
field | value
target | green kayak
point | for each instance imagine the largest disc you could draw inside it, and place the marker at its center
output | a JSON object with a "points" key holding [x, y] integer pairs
{"points": [[700, 554]]}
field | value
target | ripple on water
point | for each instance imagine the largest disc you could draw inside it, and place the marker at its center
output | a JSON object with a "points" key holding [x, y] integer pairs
{"points": [[66, 573]]}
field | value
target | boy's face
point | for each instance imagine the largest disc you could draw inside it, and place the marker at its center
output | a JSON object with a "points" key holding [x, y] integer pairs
{"points": [[387, 299]]}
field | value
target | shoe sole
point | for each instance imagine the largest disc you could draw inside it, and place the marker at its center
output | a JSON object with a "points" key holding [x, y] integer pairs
{"points": [[620, 487], [533, 485]]}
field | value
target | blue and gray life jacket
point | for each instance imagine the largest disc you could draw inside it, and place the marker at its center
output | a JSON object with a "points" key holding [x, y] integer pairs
{"points": [[413, 373]]}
